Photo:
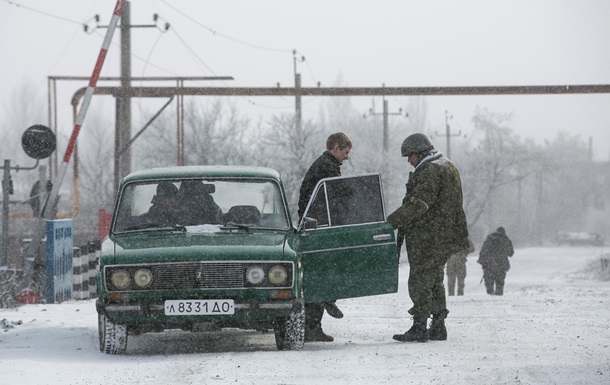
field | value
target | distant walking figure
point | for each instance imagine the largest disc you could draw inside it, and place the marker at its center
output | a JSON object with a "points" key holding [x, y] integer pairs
{"points": [[494, 259], [456, 272]]}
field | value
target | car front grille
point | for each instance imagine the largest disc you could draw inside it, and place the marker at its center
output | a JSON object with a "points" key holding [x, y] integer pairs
{"points": [[198, 275], [225, 275]]}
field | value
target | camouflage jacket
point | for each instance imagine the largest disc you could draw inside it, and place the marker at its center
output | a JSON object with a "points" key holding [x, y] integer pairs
{"points": [[431, 216]]}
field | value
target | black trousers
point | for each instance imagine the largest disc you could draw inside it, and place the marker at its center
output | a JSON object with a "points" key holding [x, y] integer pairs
{"points": [[494, 281], [313, 315]]}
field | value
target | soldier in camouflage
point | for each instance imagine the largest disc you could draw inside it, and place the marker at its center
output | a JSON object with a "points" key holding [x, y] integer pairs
{"points": [[434, 223]]}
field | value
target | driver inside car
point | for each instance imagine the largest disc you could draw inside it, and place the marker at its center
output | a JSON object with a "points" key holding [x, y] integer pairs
{"points": [[164, 209]]}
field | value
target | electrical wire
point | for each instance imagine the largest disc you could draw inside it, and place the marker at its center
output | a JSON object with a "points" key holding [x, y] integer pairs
{"points": [[214, 32], [150, 53], [192, 51], [140, 58], [144, 71], [63, 52], [42, 12], [147, 61]]}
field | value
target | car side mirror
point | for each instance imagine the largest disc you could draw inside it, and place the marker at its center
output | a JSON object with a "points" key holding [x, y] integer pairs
{"points": [[310, 223]]}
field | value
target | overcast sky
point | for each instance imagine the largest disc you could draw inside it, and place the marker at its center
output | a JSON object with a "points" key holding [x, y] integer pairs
{"points": [[356, 42]]}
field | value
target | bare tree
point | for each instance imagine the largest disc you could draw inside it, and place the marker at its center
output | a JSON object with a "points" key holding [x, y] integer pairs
{"points": [[214, 134], [27, 108], [96, 166], [497, 165], [290, 149], [568, 190]]}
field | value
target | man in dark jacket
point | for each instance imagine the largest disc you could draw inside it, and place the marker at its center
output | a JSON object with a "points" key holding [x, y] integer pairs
{"points": [[494, 259], [164, 208], [338, 147], [434, 223]]}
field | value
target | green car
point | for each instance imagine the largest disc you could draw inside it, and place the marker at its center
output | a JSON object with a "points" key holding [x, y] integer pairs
{"points": [[201, 248]]}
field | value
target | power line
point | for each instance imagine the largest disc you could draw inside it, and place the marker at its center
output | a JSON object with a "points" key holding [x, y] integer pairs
{"points": [[448, 133], [214, 32], [42, 12], [192, 51]]}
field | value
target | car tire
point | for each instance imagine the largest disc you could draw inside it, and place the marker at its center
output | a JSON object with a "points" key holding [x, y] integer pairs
{"points": [[290, 333], [112, 337]]}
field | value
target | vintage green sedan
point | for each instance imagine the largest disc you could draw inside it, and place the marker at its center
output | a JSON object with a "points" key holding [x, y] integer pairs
{"points": [[202, 248]]}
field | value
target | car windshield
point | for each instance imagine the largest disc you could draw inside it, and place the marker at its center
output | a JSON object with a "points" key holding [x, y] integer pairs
{"points": [[173, 204]]}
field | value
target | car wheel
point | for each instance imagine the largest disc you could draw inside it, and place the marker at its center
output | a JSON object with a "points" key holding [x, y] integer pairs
{"points": [[290, 333], [112, 337]]}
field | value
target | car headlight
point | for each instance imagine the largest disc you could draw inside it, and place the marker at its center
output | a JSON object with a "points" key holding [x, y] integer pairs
{"points": [[255, 275], [277, 275], [120, 279], [143, 277]]}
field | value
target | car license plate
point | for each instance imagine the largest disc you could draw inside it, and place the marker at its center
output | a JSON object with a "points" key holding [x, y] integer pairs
{"points": [[200, 307]]}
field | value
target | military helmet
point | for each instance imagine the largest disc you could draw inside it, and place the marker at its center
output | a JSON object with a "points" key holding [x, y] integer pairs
{"points": [[414, 144]]}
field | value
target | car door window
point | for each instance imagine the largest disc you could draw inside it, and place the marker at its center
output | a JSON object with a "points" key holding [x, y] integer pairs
{"points": [[346, 201], [352, 250]]}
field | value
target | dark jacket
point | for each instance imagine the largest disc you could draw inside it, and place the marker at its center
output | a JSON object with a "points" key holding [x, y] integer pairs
{"points": [[495, 252], [431, 216], [326, 166]]}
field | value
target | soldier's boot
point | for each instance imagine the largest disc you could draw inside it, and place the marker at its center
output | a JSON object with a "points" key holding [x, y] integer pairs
{"points": [[438, 331], [417, 333], [317, 335], [333, 310]]}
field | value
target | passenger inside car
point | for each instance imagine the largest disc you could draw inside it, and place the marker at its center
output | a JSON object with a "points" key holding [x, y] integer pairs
{"points": [[245, 214], [197, 205]]}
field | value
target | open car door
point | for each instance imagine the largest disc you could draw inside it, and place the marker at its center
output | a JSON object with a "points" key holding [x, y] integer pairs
{"points": [[348, 248]]}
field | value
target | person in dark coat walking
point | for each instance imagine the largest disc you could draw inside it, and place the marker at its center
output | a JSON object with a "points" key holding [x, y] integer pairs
{"points": [[494, 260], [433, 221], [338, 147]]}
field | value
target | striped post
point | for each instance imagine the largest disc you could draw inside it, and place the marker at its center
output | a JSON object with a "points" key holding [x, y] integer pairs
{"points": [[80, 274], [48, 212], [94, 257]]}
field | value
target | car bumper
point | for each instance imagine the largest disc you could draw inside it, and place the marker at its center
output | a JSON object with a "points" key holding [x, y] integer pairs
{"points": [[155, 313], [158, 308]]}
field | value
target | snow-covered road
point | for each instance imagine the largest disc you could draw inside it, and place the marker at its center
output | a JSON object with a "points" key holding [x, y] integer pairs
{"points": [[552, 326]]}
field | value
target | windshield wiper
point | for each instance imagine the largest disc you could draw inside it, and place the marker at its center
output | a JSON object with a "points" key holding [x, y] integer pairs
{"points": [[144, 226], [238, 225]]}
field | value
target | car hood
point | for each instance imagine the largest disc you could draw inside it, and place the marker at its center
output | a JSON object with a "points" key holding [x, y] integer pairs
{"points": [[179, 246]]}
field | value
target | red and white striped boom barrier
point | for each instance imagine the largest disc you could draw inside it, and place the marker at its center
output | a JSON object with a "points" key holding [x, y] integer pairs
{"points": [[49, 211], [34, 250]]}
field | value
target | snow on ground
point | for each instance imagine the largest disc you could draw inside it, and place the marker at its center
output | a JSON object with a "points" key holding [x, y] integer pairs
{"points": [[552, 326]]}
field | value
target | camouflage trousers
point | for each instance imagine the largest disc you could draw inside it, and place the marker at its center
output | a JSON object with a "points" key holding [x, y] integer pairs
{"points": [[456, 274], [427, 291]]}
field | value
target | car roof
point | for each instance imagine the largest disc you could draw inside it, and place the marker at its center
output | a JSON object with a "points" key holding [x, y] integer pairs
{"points": [[179, 172]]}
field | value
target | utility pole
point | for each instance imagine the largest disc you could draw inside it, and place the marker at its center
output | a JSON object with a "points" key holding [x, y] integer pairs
{"points": [[386, 132], [123, 127], [298, 113], [386, 129], [122, 149], [448, 133]]}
